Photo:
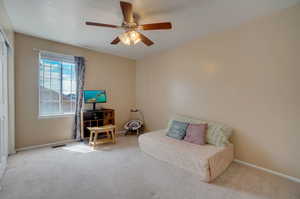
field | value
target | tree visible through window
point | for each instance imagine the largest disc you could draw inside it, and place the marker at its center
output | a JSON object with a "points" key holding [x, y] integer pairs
{"points": [[57, 84]]}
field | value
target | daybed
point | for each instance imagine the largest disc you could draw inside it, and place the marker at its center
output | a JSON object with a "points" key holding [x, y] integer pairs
{"points": [[208, 161]]}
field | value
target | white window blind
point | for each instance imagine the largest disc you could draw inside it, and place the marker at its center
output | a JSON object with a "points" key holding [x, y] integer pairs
{"points": [[57, 84]]}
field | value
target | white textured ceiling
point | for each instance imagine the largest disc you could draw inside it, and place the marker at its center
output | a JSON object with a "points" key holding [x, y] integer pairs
{"points": [[63, 20]]}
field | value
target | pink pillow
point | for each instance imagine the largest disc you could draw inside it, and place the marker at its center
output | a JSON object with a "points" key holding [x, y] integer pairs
{"points": [[196, 133]]}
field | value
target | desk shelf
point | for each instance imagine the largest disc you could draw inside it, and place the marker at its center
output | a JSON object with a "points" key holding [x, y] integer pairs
{"points": [[95, 118]]}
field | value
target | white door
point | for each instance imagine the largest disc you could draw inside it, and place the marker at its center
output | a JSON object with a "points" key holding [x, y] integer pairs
{"points": [[3, 104]]}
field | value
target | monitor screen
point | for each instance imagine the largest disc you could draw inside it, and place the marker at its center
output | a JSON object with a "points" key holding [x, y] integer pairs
{"points": [[94, 96]]}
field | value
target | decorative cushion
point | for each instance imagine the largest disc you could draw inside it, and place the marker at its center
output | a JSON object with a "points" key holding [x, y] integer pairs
{"points": [[218, 134], [177, 130], [196, 133]]}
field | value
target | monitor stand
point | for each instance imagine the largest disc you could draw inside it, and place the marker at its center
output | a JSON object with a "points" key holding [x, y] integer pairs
{"points": [[94, 107]]}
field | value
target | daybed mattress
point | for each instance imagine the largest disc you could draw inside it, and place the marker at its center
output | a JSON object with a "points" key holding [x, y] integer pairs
{"points": [[208, 161]]}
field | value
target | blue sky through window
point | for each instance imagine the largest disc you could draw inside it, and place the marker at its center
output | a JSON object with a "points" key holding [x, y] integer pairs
{"points": [[50, 76]]}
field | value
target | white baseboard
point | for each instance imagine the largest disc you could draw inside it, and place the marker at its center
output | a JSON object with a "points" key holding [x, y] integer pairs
{"points": [[268, 170], [45, 145], [12, 152], [53, 144], [2, 167]]}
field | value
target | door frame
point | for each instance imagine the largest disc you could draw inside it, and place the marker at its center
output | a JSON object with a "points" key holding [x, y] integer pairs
{"points": [[8, 51]]}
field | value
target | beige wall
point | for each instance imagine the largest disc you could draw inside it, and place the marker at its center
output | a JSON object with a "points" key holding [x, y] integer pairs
{"points": [[103, 71], [8, 29], [247, 77]]}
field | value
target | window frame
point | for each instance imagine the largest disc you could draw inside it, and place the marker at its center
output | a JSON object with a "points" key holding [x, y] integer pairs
{"points": [[58, 115]]}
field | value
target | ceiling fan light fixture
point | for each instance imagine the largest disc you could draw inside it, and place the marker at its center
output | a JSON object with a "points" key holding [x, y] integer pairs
{"points": [[134, 37], [125, 38], [130, 38]]}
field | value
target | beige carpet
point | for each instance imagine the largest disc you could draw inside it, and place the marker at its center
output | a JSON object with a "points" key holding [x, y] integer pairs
{"points": [[121, 171]]}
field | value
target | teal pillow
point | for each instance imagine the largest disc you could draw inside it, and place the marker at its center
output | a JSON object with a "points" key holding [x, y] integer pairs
{"points": [[177, 130]]}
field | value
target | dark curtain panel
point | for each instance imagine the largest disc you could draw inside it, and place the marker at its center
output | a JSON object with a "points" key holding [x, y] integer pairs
{"points": [[80, 71]]}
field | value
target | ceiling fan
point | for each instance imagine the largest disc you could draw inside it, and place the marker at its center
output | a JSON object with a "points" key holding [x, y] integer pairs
{"points": [[131, 36]]}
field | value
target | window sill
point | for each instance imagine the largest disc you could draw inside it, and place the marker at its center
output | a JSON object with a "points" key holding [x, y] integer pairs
{"points": [[56, 116]]}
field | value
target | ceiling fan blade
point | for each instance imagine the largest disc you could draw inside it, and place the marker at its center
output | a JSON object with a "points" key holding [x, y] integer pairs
{"points": [[127, 11], [156, 26], [115, 41], [101, 24], [146, 40]]}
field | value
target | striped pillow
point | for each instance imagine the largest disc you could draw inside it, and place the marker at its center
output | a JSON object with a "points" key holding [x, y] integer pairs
{"points": [[218, 134]]}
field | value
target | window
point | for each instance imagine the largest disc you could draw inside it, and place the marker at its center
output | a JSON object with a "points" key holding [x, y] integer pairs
{"points": [[57, 84]]}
